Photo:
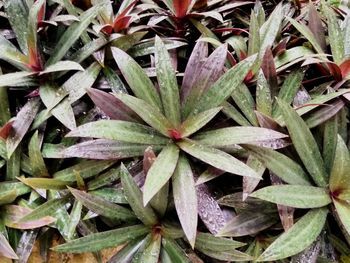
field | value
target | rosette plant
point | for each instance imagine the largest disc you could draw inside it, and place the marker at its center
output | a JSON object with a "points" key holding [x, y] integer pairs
{"points": [[157, 117]]}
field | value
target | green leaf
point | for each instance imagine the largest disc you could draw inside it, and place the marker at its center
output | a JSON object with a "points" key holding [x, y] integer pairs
{"points": [[102, 207], [74, 219], [134, 197], [330, 138], [340, 172], [169, 90], [77, 84], [160, 172], [210, 70], [247, 223], [47, 209], [126, 254], [71, 35], [299, 237], [10, 54], [65, 65], [206, 241], [263, 95], [17, 13], [245, 102], [21, 125], [292, 56], [196, 122], [237, 135], [269, 30], [289, 89], [254, 36], [35, 157], [297, 196], [305, 144], [137, 79], [174, 251], [151, 252], [111, 194], [6, 249], [185, 198], [8, 197], [343, 211], [234, 114], [85, 169], [107, 239], [230, 255], [15, 79], [306, 32], [217, 158], [335, 35], [119, 130], [44, 183], [284, 167], [147, 112], [224, 86]]}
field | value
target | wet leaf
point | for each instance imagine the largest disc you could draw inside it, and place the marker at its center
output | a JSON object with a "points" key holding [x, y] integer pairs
{"points": [[281, 165], [305, 144], [236, 135], [217, 158], [297, 238], [6, 249], [340, 172], [147, 112], [21, 125], [134, 197], [167, 81], [160, 171], [107, 239], [119, 130], [71, 35], [102, 207], [224, 86], [185, 198], [137, 79], [297, 196], [247, 223]]}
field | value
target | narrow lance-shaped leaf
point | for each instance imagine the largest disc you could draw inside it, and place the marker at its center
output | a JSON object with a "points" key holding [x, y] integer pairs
{"points": [[335, 35], [195, 122], [21, 125], [119, 130], [151, 252], [134, 197], [102, 207], [137, 79], [107, 239], [47, 209], [167, 82], [316, 27], [44, 183], [254, 36], [12, 55], [340, 172], [185, 198], [160, 171], [174, 251], [263, 95], [281, 165], [17, 12], [306, 32], [35, 157], [237, 135], [111, 106], [6, 249], [194, 65], [64, 65], [32, 41], [305, 144], [297, 238], [224, 86], [71, 35], [102, 149], [217, 158], [343, 212], [208, 74], [147, 112], [297, 196]]}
